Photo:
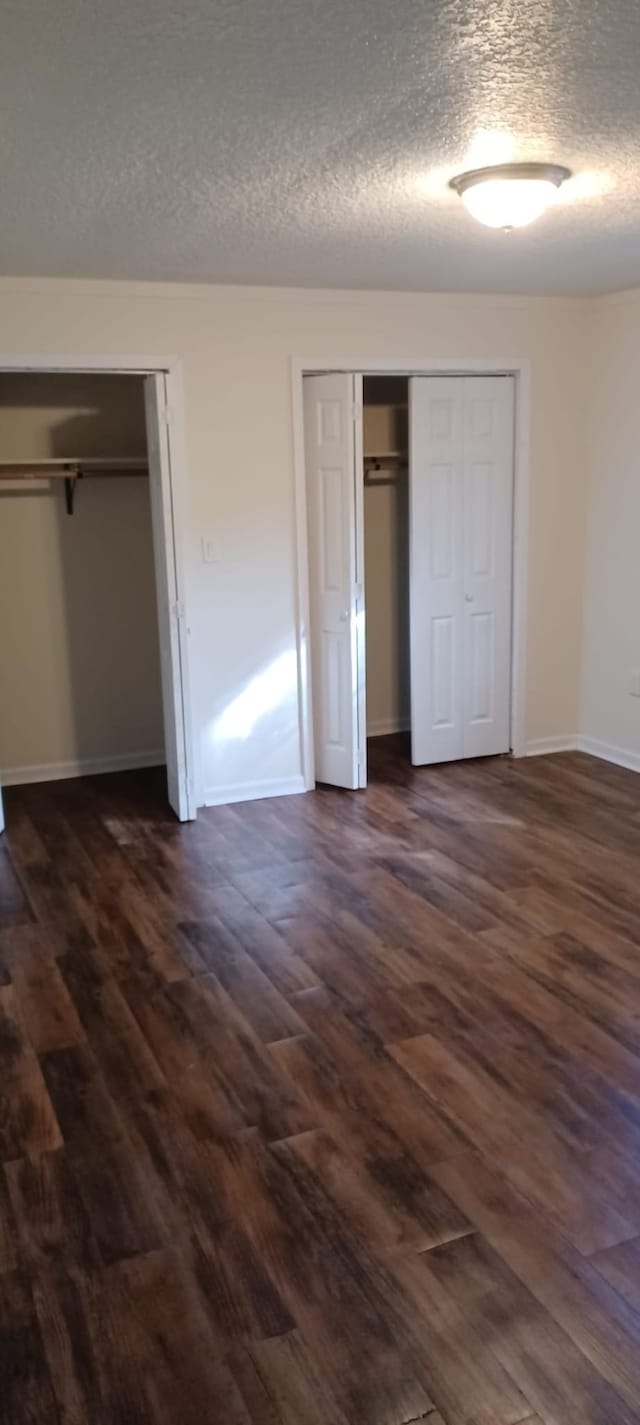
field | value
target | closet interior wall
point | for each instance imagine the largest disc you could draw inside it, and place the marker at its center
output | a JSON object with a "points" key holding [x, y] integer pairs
{"points": [[386, 528], [78, 623]]}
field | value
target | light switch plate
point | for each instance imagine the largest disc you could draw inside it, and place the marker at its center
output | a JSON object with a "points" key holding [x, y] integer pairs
{"points": [[210, 550], [634, 682]]}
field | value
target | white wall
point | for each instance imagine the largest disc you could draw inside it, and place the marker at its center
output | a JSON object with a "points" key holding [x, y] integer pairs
{"points": [[78, 627], [50, 416], [610, 717], [236, 345]]}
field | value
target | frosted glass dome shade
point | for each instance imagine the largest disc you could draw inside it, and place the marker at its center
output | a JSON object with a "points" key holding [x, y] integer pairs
{"points": [[512, 195]]}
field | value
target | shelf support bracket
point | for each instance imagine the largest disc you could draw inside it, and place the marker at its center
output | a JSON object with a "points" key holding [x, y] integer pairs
{"points": [[70, 482]]}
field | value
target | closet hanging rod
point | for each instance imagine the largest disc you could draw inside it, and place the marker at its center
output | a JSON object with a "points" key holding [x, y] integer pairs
{"points": [[72, 470]]}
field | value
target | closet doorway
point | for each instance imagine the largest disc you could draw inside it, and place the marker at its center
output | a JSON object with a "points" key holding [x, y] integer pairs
{"points": [[94, 632], [415, 517]]}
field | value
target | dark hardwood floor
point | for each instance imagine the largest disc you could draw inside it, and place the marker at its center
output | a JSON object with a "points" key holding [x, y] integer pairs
{"points": [[323, 1110]]}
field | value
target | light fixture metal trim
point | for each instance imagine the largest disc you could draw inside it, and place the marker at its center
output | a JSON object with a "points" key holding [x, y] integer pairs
{"points": [[546, 172]]}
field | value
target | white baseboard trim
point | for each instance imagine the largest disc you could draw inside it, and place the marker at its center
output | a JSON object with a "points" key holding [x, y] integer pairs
{"points": [[622, 756], [578, 742], [540, 746], [253, 791], [385, 726], [85, 767]]}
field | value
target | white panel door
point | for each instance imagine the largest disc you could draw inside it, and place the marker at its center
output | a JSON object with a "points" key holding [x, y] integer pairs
{"points": [[334, 494], [170, 614], [436, 567], [461, 494], [488, 558]]}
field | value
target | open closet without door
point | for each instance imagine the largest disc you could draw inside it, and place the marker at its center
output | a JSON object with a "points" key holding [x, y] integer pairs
{"points": [[409, 499], [89, 634]]}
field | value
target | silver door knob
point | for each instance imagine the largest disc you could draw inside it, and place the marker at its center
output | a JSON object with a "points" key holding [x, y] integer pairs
{"points": [[344, 618], [468, 598]]}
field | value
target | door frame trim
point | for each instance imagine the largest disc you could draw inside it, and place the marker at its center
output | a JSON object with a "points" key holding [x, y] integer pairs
{"points": [[171, 368], [520, 369]]}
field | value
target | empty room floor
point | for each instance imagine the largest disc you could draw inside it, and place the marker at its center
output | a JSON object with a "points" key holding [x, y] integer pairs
{"points": [[323, 1110]]}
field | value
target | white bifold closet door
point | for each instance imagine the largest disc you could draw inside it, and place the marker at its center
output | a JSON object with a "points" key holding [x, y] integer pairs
{"points": [[333, 458], [170, 616], [461, 521]]}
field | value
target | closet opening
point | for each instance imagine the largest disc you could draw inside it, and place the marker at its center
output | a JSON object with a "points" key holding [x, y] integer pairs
{"points": [[91, 644], [414, 493], [385, 442]]}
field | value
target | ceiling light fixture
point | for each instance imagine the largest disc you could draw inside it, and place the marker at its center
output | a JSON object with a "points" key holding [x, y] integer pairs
{"points": [[510, 195]]}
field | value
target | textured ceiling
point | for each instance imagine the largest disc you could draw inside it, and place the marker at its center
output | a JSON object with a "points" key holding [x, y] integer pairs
{"points": [[311, 141]]}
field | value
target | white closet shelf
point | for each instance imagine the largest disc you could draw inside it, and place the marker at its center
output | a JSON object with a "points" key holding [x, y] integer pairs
{"points": [[386, 455], [73, 465]]}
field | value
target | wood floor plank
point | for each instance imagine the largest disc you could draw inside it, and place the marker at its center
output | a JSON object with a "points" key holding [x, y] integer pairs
{"points": [[54, 1220], [355, 1117], [355, 1334], [262, 1005], [621, 1268], [9, 1253], [243, 1298], [68, 1329], [119, 1047], [577, 1298], [237, 1060], [590, 983], [116, 1186], [530, 1063], [26, 1393], [176, 1043], [336, 960], [262, 941], [367, 1068], [528, 1152], [387, 1203], [43, 1003], [14, 906], [133, 1343], [421, 927], [28, 1123], [590, 1047], [551, 1372], [296, 1390], [466, 1377], [156, 1326]]}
